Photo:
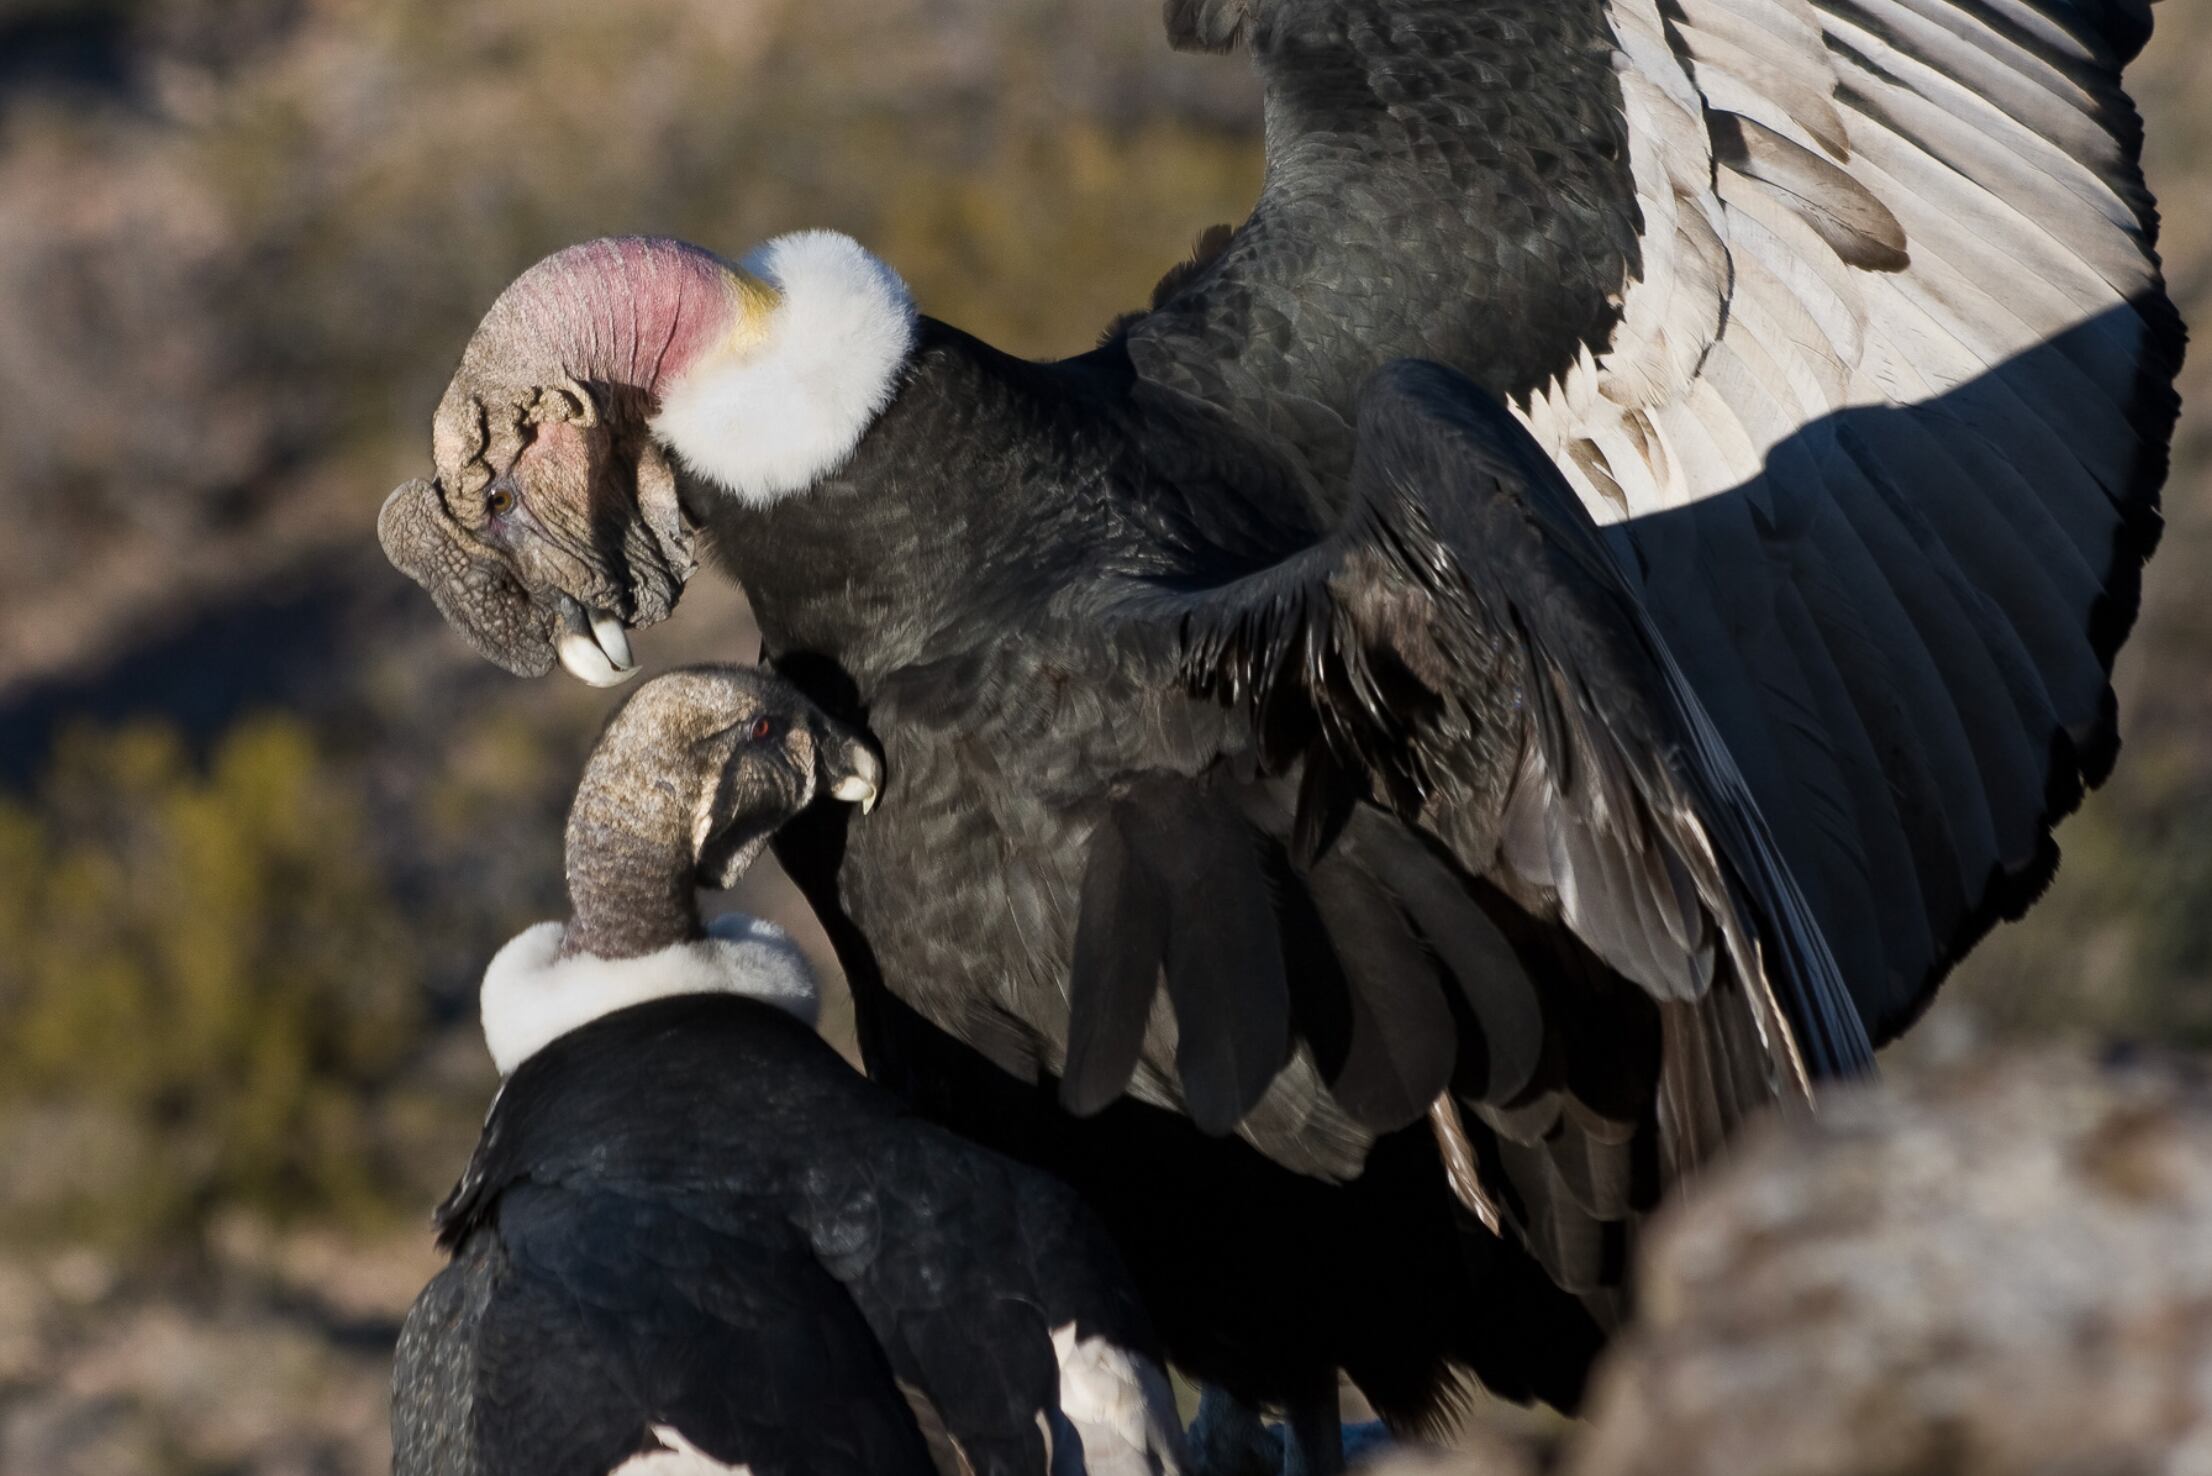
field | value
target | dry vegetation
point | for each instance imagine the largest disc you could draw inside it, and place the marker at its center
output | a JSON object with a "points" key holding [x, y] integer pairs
{"points": [[261, 820]]}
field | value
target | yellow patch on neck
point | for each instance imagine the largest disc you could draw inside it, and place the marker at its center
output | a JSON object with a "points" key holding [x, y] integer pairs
{"points": [[753, 306]]}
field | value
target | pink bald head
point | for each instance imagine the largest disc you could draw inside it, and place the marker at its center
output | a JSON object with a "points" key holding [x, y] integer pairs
{"points": [[624, 310]]}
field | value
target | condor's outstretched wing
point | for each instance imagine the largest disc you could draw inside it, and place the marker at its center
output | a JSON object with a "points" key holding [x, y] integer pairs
{"points": [[1499, 801], [1843, 315]]}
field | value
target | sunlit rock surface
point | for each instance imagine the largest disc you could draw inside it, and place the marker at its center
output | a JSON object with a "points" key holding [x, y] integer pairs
{"points": [[2003, 1269]]}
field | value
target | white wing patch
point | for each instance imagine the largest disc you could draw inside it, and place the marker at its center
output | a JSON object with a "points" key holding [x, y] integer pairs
{"points": [[681, 1458], [1119, 1404], [1880, 429], [1874, 230]]}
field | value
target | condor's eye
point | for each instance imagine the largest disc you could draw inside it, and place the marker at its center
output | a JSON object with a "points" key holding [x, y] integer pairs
{"points": [[765, 728], [500, 500]]}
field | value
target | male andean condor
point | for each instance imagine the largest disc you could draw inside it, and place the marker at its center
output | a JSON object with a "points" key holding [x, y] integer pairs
{"points": [[1553, 635], [691, 1238]]}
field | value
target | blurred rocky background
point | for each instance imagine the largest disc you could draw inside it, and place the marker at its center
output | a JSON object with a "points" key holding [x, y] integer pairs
{"points": [[1998, 1270], [262, 820]]}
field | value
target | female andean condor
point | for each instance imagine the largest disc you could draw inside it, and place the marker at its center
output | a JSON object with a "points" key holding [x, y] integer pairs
{"points": [[692, 1239], [1554, 636]]}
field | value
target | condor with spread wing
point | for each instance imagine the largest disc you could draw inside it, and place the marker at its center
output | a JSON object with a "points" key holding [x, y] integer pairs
{"points": [[1550, 637]]}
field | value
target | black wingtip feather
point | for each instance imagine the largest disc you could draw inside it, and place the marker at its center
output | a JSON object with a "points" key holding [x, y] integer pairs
{"points": [[2080, 761], [1327, 795], [1225, 976], [1400, 1048], [1176, 892], [1502, 1031], [1120, 943]]}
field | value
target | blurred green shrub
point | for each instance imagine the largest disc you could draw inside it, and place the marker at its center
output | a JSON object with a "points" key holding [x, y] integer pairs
{"points": [[208, 959]]}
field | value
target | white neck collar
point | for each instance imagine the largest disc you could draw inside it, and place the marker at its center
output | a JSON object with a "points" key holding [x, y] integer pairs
{"points": [[532, 996], [784, 403]]}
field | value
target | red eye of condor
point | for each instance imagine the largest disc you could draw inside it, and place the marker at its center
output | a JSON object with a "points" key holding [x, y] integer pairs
{"points": [[764, 728]]}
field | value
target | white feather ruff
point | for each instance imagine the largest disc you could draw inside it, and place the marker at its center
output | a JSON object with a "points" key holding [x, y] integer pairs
{"points": [[1119, 1404], [677, 1457], [771, 417], [532, 996]]}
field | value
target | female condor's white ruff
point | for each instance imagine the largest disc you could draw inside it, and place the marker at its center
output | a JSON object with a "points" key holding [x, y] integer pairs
{"points": [[677, 1457], [1554, 636], [532, 995]]}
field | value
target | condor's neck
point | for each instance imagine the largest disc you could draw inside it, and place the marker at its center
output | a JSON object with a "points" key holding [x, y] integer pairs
{"points": [[632, 884], [874, 567]]}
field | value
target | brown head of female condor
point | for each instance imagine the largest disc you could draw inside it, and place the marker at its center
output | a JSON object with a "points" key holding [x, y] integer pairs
{"points": [[1548, 639]]}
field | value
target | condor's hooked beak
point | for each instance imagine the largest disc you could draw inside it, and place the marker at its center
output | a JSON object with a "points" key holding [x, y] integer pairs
{"points": [[851, 772], [594, 645]]}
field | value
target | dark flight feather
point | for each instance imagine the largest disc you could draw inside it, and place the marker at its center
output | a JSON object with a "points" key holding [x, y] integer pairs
{"points": [[1224, 955], [1478, 961], [1175, 891], [1399, 1048], [1120, 953]]}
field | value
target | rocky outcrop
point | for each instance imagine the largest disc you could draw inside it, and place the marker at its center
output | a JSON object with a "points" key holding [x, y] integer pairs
{"points": [[2003, 1269]]}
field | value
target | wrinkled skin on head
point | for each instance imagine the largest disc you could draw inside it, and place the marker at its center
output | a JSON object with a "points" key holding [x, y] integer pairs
{"points": [[553, 513], [544, 511]]}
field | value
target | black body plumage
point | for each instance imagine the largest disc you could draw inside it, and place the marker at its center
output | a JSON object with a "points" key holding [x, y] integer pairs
{"points": [[1075, 813], [691, 1216]]}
